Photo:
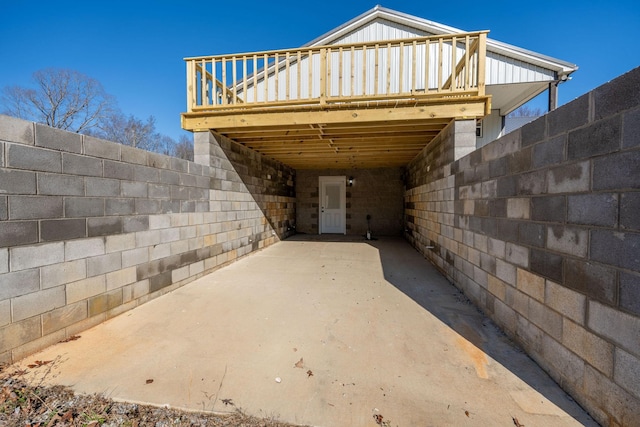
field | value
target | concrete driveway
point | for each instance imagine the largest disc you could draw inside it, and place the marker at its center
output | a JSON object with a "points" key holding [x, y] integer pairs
{"points": [[323, 333]]}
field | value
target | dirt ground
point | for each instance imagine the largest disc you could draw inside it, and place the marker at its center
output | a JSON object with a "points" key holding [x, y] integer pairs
{"points": [[35, 405]]}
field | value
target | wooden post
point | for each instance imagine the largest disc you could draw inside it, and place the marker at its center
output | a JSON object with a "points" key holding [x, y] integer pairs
{"points": [[440, 63], [364, 70], [353, 60], [377, 63], [255, 78], [276, 68], [224, 81], [287, 79], [340, 65], [413, 67], [401, 71], [265, 77], [454, 62], [426, 66], [244, 78], [233, 79], [190, 85], [310, 74], [553, 96], [467, 72], [203, 84], [214, 84], [388, 73], [482, 62], [299, 83], [323, 72]]}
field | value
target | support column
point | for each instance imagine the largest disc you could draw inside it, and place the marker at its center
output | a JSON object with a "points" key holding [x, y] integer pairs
{"points": [[464, 137], [553, 96], [202, 147]]}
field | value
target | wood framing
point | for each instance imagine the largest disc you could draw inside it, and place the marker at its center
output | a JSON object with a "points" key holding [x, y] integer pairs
{"points": [[354, 105]]}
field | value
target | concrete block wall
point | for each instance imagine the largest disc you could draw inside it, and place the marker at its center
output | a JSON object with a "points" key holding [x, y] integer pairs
{"points": [[90, 229], [375, 192], [540, 229], [241, 173]]}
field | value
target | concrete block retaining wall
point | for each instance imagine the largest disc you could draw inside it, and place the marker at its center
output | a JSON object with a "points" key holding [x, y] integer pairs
{"points": [[541, 230], [90, 229]]}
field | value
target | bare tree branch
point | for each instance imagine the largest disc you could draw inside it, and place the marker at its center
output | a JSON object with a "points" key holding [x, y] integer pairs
{"points": [[526, 111], [62, 98]]}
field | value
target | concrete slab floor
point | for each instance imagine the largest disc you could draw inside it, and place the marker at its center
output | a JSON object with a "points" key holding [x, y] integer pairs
{"points": [[319, 333]]}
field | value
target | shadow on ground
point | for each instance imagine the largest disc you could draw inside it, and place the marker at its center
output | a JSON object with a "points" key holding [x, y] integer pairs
{"points": [[422, 282]]}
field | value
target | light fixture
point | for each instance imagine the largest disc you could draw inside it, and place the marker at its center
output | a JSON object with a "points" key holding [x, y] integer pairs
{"points": [[350, 181]]}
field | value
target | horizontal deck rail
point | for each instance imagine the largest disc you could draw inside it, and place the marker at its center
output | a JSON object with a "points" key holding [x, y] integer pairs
{"points": [[423, 67]]}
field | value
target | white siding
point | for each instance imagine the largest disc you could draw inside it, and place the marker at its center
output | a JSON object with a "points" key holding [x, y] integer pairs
{"points": [[504, 70], [500, 69], [380, 29], [491, 128]]}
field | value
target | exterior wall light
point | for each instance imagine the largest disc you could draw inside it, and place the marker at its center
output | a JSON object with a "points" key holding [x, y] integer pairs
{"points": [[350, 181]]}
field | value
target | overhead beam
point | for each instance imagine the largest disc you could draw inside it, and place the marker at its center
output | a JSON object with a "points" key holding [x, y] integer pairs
{"points": [[454, 108]]}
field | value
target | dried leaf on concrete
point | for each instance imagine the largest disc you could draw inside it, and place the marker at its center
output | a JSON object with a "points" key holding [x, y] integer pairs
{"points": [[71, 338], [39, 363]]}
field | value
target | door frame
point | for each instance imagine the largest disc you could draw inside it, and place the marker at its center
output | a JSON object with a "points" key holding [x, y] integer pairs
{"points": [[342, 180]]}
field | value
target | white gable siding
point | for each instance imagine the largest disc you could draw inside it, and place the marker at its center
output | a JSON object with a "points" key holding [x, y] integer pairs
{"points": [[504, 70], [380, 29]]}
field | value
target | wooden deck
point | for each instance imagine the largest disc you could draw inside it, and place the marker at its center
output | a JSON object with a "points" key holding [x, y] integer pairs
{"points": [[361, 105]]}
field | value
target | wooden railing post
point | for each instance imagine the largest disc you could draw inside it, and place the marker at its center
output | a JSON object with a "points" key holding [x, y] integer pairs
{"points": [[482, 62], [323, 73], [191, 78]]}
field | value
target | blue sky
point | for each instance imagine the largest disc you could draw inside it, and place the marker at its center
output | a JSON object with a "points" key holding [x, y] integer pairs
{"points": [[135, 48]]}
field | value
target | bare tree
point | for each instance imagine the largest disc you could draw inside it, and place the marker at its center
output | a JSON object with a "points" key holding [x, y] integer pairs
{"points": [[129, 130], [526, 111], [184, 148], [62, 98]]}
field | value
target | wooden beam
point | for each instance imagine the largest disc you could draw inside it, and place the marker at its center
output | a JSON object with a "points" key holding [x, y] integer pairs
{"points": [[390, 134], [456, 108]]}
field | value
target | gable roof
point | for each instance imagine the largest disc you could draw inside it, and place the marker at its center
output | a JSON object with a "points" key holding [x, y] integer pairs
{"points": [[426, 27]]}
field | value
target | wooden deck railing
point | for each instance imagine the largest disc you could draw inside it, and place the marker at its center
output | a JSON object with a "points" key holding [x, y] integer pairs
{"points": [[435, 66]]}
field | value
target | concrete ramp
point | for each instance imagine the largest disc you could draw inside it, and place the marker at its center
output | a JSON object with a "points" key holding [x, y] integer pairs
{"points": [[340, 333]]}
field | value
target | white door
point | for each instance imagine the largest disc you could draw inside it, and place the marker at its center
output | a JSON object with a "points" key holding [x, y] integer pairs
{"points": [[333, 212]]}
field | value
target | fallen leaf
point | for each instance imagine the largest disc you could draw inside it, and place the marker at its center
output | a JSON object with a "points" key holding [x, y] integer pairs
{"points": [[309, 373], [149, 381], [228, 402], [39, 363], [466, 413], [378, 418], [71, 338], [299, 363], [54, 419], [516, 422]]}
